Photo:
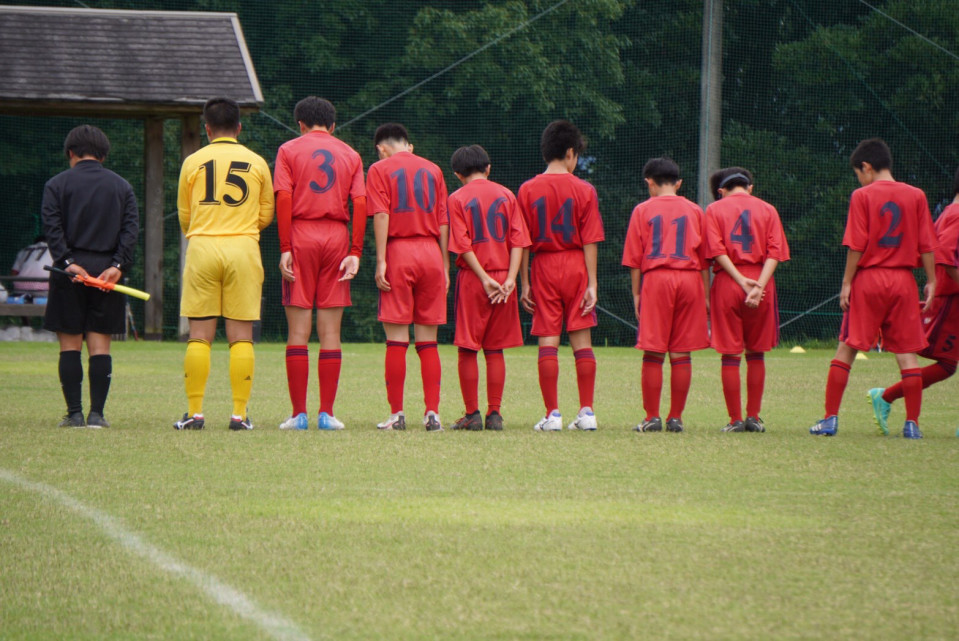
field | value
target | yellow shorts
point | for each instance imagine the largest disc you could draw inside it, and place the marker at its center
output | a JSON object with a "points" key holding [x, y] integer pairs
{"points": [[222, 276]]}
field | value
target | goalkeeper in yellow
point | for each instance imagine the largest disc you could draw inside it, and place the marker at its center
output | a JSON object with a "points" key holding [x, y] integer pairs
{"points": [[225, 199]]}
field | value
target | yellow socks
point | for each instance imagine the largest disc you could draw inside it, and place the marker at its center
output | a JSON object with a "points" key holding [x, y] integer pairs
{"points": [[241, 375], [196, 369]]}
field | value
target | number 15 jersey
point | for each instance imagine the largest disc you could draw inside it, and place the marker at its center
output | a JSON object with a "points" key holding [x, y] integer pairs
{"points": [[561, 211]]}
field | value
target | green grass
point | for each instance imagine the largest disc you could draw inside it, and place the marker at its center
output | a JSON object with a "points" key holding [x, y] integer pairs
{"points": [[517, 535]]}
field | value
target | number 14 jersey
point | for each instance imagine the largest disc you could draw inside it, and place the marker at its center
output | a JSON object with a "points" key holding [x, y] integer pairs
{"points": [[561, 211]]}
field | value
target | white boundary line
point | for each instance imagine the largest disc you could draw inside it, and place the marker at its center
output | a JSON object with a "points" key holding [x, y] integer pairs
{"points": [[272, 623]]}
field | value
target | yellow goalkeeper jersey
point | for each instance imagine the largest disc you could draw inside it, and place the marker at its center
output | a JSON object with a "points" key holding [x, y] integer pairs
{"points": [[225, 190]]}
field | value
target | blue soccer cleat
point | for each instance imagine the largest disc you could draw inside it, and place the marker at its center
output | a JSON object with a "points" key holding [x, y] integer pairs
{"points": [[911, 430], [880, 409], [298, 422], [826, 427], [330, 423]]}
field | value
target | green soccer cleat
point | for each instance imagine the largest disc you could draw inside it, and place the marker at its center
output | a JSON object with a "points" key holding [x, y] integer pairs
{"points": [[880, 409]]}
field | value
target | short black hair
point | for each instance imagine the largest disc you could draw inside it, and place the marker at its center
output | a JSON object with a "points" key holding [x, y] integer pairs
{"points": [[875, 151], [391, 131], [467, 161], [729, 177], [313, 111], [222, 114], [662, 170], [87, 140], [559, 136]]}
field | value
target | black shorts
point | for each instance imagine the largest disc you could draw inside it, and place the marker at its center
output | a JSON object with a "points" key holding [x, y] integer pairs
{"points": [[73, 308]]}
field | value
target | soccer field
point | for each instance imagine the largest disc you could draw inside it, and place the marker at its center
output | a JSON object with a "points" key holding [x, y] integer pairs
{"points": [[139, 531]]}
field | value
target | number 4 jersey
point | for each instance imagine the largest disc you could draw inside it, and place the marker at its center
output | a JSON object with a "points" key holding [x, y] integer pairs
{"points": [[561, 211], [746, 229], [225, 190]]}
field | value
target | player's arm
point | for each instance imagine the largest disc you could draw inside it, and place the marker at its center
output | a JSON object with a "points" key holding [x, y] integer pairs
{"points": [[493, 290], [755, 294], [351, 264], [852, 263], [929, 266], [267, 202], [445, 250], [636, 281], [588, 304], [284, 228], [730, 268], [381, 232], [526, 295], [515, 259], [183, 204]]}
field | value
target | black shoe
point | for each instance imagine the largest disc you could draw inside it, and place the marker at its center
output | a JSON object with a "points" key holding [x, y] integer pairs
{"points": [[494, 421], [654, 424], [735, 426], [189, 423], [675, 425], [96, 420], [755, 424], [237, 424], [472, 422], [432, 422], [73, 419]]}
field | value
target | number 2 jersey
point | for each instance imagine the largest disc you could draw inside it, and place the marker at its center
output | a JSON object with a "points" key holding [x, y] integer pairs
{"points": [[665, 232], [889, 223], [225, 190], [746, 229], [412, 190], [561, 212]]}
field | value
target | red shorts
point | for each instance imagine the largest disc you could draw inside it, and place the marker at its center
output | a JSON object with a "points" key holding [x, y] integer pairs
{"points": [[672, 311], [941, 326], [319, 246], [481, 324], [414, 269], [883, 300], [559, 283], [735, 327]]}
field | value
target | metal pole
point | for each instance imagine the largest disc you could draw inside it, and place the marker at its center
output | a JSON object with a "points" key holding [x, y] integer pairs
{"points": [[711, 97]]}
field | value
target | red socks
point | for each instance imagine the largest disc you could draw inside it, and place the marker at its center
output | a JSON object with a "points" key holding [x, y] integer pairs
{"points": [[328, 369], [297, 376], [548, 366], [652, 383], [395, 373], [835, 386], [430, 371], [931, 374], [469, 378], [585, 375], [912, 392], [755, 383], [495, 378], [732, 387], [680, 376]]}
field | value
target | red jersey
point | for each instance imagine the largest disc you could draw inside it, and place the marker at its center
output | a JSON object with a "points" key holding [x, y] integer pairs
{"points": [[665, 231], [561, 212], [412, 191], [485, 219], [947, 253], [746, 229], [321, 172], [889, 223]]}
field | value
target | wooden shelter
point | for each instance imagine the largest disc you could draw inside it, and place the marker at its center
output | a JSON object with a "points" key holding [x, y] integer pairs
{"points": [[148, 65]]}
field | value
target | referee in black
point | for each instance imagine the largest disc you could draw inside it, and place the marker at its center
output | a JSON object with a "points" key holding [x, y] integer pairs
{"points": [[91, 223]]}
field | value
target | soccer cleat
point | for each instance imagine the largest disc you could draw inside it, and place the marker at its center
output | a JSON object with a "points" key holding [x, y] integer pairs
{"points": [[911, 430], [329, 423], [96, 420], [675, 425], [755, 424], [654, 424], [494, 421], [585, 421], [880, 409], [395, 421], [73, 419], [552, 422], [826, 427], [240, 424], [735, 426], [189, 423], [298, 422], [472, 422], [432, 422]]}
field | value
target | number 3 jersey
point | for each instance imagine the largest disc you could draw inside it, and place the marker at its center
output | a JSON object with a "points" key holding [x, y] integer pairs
{"points": [[889, 223], [746, 229], [665, 232], [485, 220], [561, 212], [225, 190], [412, 191]]}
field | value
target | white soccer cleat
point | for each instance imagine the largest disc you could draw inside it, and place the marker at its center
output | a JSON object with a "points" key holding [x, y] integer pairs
{"points": [[552, 422], [298, 422], [585, 420], [328, 422], [395, 421]]}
